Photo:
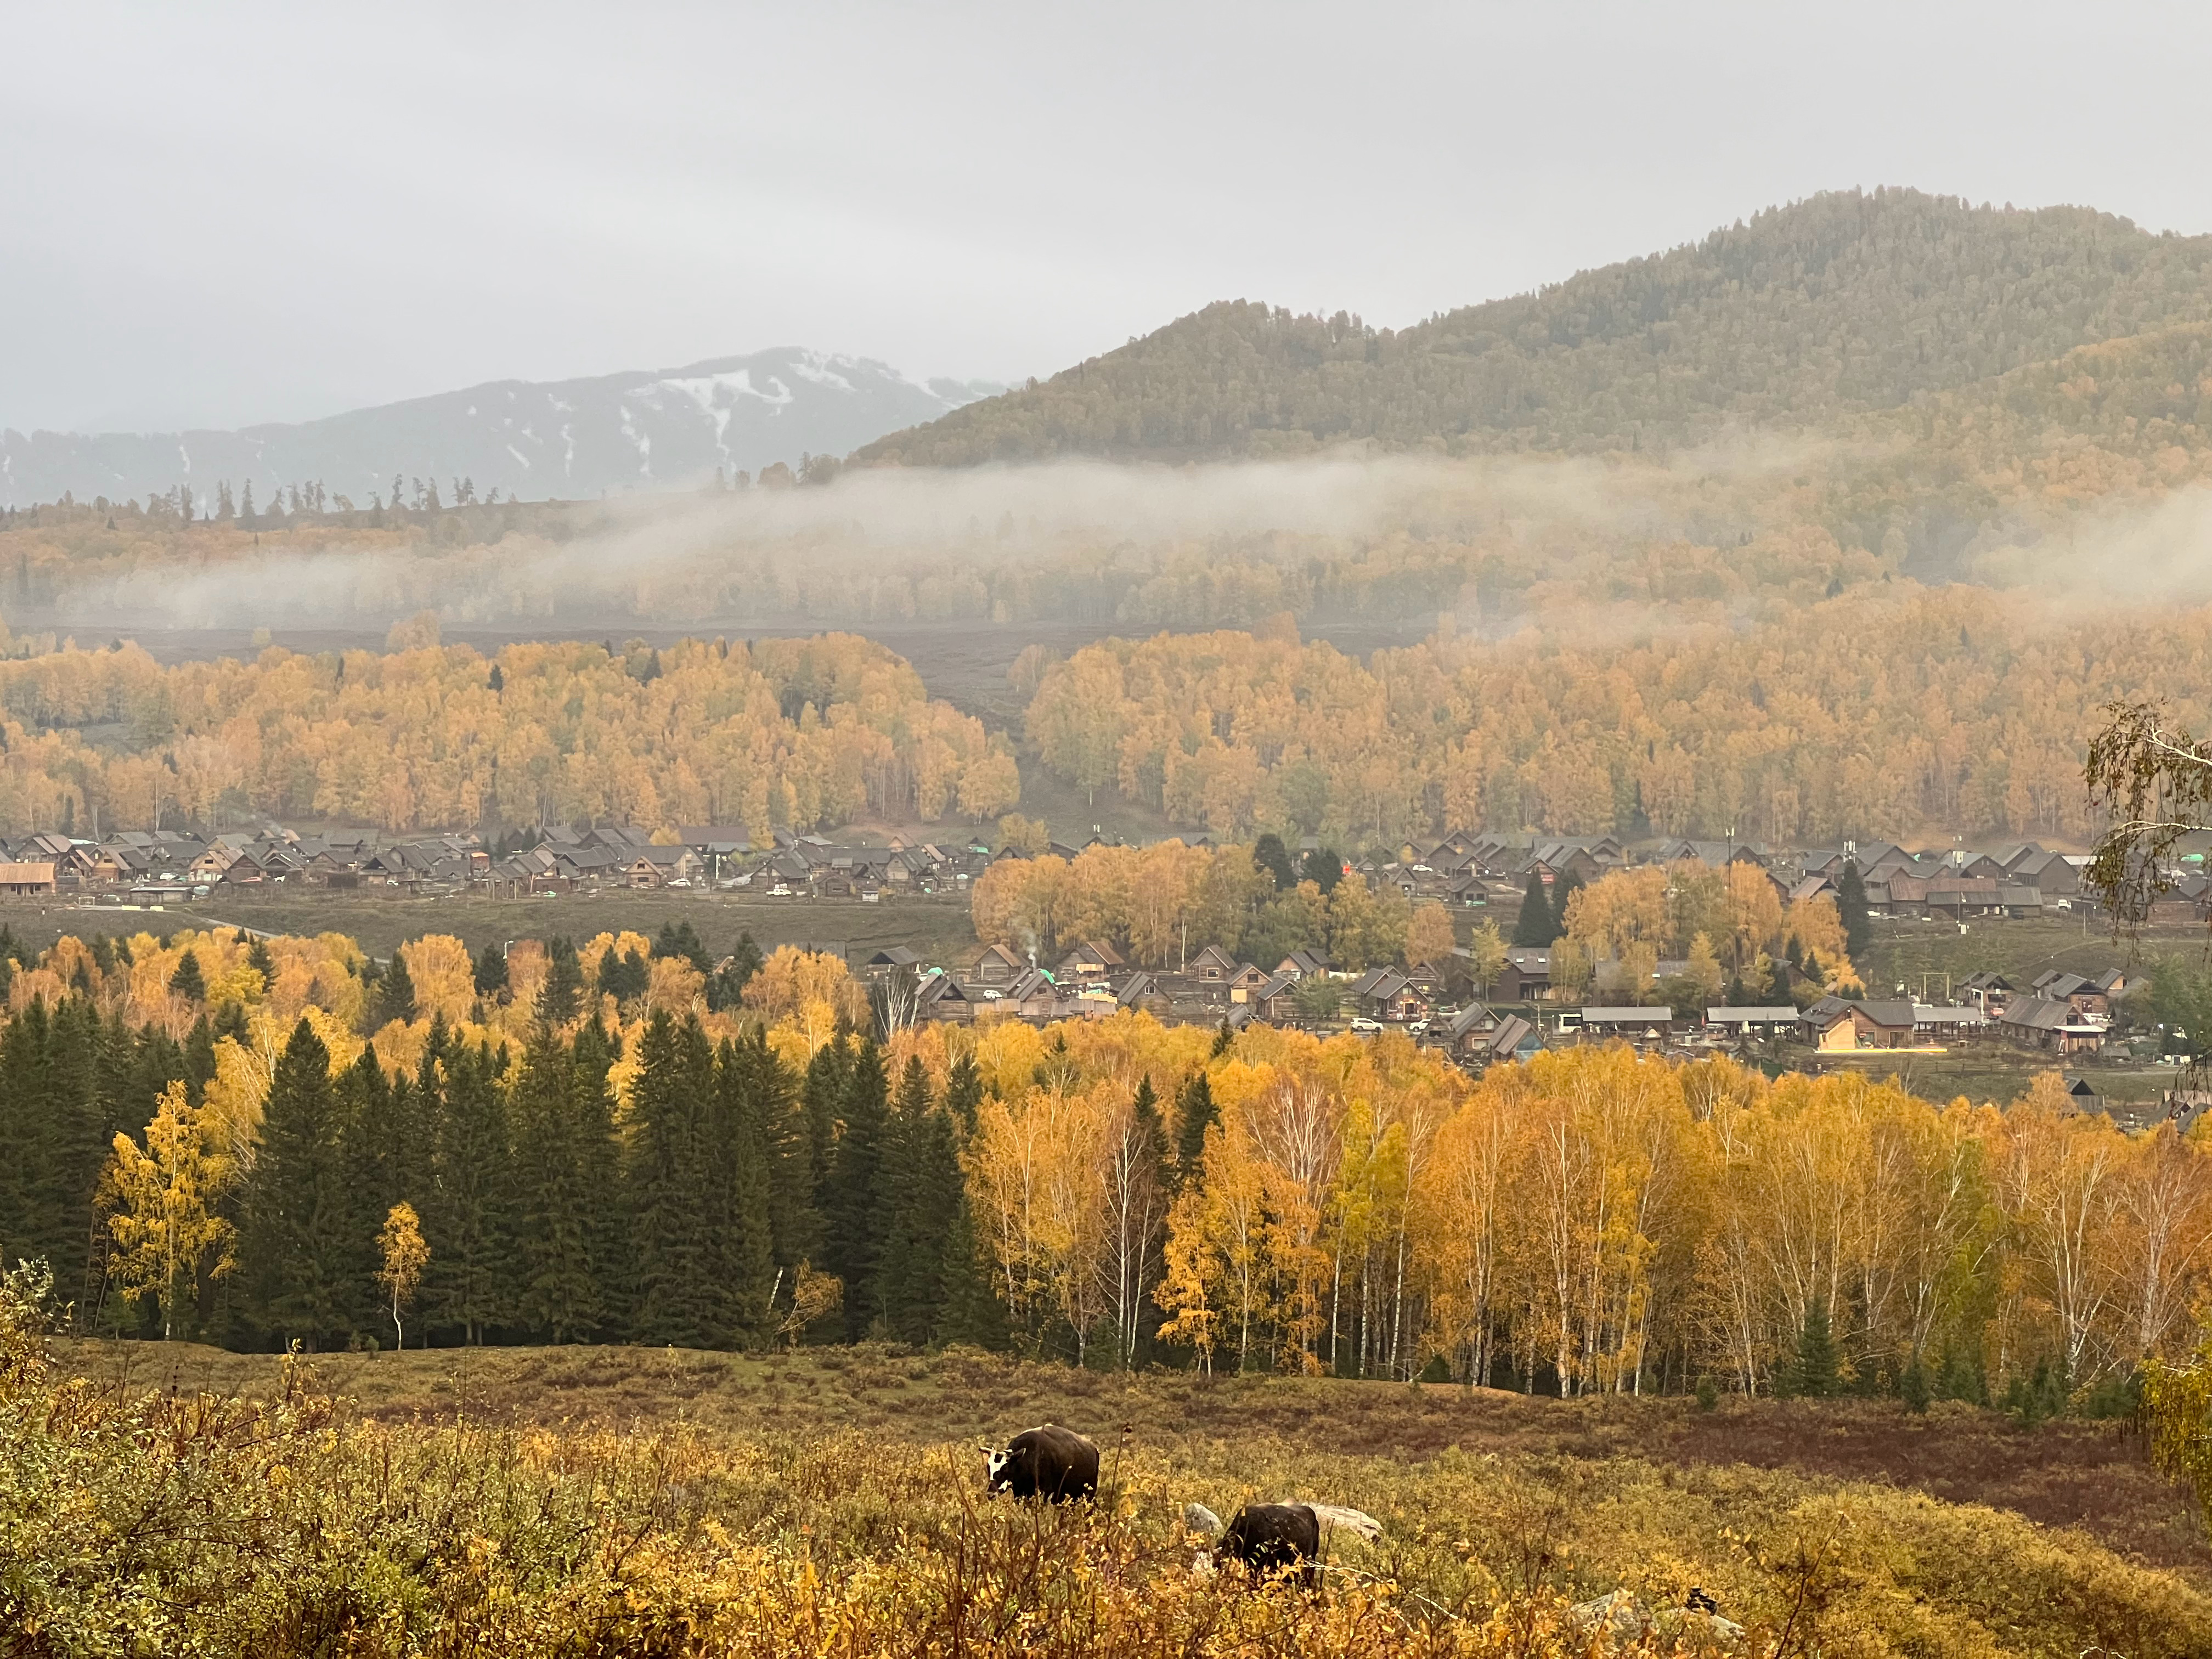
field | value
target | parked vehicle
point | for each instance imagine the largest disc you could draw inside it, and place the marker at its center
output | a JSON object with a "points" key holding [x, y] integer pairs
{"points": [[1362, 1024]]}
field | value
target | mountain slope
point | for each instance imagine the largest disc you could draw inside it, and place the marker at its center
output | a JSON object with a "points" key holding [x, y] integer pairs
{"points": [[1845, 302], [565, 438]]}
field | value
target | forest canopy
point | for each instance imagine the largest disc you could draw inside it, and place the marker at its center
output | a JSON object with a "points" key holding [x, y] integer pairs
{"points": [[798, 734], [1879, 712]]}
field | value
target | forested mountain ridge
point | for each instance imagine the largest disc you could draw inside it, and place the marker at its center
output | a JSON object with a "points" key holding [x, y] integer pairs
{"points": [[1846, 302]]}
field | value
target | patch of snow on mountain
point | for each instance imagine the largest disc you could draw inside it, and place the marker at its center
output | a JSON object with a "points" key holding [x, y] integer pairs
{"points": [[639, 441], [707, 391], [815, 366]]}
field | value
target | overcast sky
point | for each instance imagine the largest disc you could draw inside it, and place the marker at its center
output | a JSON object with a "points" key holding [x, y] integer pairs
{"points": [[221, 213]]}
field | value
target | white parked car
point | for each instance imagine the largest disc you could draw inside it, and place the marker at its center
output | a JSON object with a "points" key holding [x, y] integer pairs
{"points": [[1361, 1023]]}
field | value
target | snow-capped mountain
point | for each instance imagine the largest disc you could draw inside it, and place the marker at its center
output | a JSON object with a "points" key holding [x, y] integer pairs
{"points": [[569, 439]]}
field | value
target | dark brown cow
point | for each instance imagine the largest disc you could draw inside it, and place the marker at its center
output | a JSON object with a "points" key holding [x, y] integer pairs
{"points": [[1054, 1463], [1272, 1538]]}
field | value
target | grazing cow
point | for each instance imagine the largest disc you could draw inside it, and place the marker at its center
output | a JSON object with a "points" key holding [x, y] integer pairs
{"points": [[1054, 1463], [1281, 1538]]}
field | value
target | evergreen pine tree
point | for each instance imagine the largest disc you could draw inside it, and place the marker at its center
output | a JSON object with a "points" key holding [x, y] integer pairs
{"points": [[1148, 1133], [608, 1253], [491, 971], [1531, 930], [296, 1237], [558, 1295], [972, 1312], [557, 999], [1195, 1113], [1563, 890], [898, 1171], [679, 941], [963, 1093], [921, 1259], [94, 1087], [822, 1102], [395, 1000], [367, 1171], [258, 959], [794, 1220], [1815, 1372], [727, 984], [468, 1225], [1913, 1386], [747, 1083], [852, 1210], [1851, 907], [188, 981], [1324, 869], [1269, 853], [669, 1179]]}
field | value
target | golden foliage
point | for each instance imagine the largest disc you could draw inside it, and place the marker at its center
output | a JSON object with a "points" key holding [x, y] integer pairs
{"points": [[803, 732]]}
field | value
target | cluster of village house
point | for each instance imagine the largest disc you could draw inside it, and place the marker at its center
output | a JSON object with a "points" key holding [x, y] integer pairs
{"points": [[149, 867], [2064, 1014]]}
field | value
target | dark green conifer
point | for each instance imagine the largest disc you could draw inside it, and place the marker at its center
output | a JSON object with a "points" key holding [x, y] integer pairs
{"points": [[558, 998], [1195, 1113], [296, 1231], [395, 994], [188, 981], [1851, 907], [1814, 1372], [557, 1293], [747, 1086], [963, 1093], [669, 1178], [468, 1224], [679, 941], [491, 971], [852, 1210], [1533, 929], [598, 1150], [1563, 890], [1324, 869], [1269, 853]]}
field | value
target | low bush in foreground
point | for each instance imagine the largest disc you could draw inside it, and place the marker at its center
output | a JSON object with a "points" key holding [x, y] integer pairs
{"points": [[183, 1523]]}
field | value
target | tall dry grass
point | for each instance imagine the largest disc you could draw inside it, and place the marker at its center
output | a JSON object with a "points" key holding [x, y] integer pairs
{"points": [[185, 1523]]}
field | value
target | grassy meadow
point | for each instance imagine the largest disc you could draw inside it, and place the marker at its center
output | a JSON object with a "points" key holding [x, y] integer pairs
{"points": [[605, 1500]]}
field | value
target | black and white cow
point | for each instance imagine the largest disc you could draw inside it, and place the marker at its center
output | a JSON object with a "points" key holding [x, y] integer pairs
{"points": [[1050, 1462], [1275, 1538]]}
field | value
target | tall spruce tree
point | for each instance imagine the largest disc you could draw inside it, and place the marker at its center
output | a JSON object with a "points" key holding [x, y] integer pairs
{"points": [[395, 994], [794, 1198], [963, 1093], [559, 997], [747, 1088], [1195, 1112], [670, 1172], [598, 1150], [188, 981], [852, 1208], [1563, 890], [922, 1254], [490, 972], [295, 1240], [469, 1225], [372, 1173], [556, 1295], [1531, 930], [1269, 853], [1851, 908]]}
